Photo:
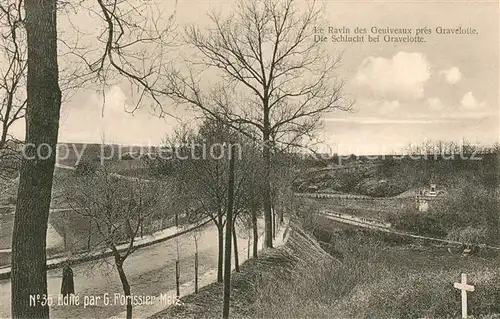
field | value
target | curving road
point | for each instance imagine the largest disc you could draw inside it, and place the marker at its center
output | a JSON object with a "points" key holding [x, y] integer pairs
{"points": [[150, 270]]}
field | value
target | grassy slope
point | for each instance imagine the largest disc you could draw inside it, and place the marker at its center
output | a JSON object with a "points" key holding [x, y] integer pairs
{"points": [[275, 266], [412, 281], [373, 279]]}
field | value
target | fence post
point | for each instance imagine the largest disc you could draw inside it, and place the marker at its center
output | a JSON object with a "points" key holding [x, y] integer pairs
{"points": [[274, 224], [177, 284]]}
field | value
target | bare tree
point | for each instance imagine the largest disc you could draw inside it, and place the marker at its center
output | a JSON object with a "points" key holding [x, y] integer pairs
{"points": [[196, 234], [278, 82], [200, 167], [284, 174], [246, 194], [203, 181], [249, 192], [118, 208], [134, 42], [13, 68], [229, 230], [37, 168], [12, 80]]}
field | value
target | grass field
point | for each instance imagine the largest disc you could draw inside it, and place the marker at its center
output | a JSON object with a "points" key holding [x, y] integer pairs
{"points": [[407, 281]]}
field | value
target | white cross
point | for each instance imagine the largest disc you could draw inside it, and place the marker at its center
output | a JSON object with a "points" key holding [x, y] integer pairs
{"points": [[464, 287]]}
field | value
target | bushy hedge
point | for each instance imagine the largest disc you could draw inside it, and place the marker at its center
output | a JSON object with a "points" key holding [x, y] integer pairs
{"points": [[423, 295], [471, 213]]}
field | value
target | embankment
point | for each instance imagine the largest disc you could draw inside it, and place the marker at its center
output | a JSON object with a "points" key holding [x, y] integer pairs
{"points": [[257, 278]]}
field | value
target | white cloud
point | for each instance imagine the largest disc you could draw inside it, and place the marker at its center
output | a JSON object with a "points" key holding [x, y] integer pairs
{"points": [[469, 102], [452, 75], [402, 76], [435, 103]]}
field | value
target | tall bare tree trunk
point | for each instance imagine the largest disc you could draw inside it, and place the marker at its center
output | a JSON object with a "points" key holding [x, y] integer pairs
{"points": [[196, 264], [235, 243], [268, 223], [126, 288], [229, 226], [220, 261], [29, 267]]}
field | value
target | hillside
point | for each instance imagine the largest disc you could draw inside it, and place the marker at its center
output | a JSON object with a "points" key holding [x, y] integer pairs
{"points": [[76, 227], [348, 273], [68, 153], [300, 253], [391, 176]]}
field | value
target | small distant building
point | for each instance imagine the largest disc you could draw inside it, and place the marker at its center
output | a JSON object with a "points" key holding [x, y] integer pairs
{"points": [[432, 190], [312, 188], [423, 197]]}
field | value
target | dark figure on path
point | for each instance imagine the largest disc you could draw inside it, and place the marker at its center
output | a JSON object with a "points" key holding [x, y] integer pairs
{"points": [[67, 286]]}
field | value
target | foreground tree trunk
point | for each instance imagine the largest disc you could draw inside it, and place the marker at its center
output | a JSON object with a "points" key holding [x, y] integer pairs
{"points": [[126, 288], [36, 172]]}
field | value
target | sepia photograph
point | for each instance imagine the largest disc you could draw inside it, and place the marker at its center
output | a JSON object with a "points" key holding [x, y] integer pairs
{"points": [[249, 159]]}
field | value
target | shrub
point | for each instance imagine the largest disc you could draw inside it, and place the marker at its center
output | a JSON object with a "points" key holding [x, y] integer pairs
{"points": [[410, 219], [469, 234], [379, 188], [472, 212], [422, 295], [473, 206], [86, 167]]}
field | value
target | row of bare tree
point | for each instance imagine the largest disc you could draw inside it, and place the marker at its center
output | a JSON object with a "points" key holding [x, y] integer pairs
{"points": [[442, 148], [194, 185]]}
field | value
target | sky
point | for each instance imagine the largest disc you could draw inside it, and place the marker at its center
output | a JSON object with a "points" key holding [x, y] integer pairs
{"points": [[445, 88]]}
